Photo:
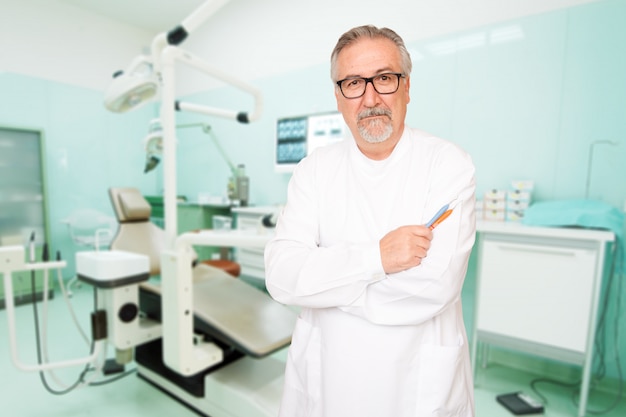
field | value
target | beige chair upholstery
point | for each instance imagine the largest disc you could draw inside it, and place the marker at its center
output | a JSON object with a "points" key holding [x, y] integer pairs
{"points": [[228, 309], [136, 233]]}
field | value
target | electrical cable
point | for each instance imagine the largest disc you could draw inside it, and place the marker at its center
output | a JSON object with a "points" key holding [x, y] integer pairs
{"points": [[113, 379], [42, 374], [552, 381], [80, 381], [66, 297], [44, 337], [617, 262], [44, 327], [41, 334]]}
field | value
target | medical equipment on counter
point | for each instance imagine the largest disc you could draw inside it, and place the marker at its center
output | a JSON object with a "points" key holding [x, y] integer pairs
{"points": [[506, 204], [239, 187]]}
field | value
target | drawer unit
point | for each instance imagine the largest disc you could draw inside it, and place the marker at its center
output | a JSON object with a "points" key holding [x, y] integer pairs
{"points": [[251, 260]]}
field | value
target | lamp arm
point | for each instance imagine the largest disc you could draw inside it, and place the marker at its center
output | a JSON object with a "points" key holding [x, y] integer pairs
{"points": [[159, 43], [169, 57], [207, 110], [197, 63], [218, 145], [207, 129]]}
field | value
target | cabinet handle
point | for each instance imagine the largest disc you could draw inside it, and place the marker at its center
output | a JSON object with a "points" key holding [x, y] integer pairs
{"points": [[543, 251]]}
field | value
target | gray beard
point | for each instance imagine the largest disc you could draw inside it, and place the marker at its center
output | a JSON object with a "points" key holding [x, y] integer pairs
{"points": [[381, 135], [375, 131]]}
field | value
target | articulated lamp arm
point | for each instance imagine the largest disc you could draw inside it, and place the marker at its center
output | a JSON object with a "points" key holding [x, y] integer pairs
{"points": [[197, 63], [179, 352]]}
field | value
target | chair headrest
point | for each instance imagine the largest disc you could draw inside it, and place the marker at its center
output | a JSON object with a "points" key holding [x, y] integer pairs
{"points": [[130, 205]]}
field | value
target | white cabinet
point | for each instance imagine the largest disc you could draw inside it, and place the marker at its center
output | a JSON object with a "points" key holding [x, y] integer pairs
{"points": [[538, 291]]}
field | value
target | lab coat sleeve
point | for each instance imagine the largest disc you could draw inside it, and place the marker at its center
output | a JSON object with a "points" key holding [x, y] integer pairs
{"points": [[421, 293], [298, 271]]}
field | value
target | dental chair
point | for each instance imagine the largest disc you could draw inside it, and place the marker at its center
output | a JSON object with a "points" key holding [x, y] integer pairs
{"points": [[242, 320]]}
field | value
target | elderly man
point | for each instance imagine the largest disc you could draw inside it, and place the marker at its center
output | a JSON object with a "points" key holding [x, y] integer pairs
{"points": [[381, 331]]}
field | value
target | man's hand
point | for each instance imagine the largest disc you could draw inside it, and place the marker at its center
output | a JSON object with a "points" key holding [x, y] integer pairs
{"points": [[404, 248]]}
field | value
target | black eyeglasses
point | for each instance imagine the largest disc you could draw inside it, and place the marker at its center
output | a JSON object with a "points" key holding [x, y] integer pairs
{"points": [[354, 87]]}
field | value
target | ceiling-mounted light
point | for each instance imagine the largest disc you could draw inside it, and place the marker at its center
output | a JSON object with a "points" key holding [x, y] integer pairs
{"points": [[132, 88]]}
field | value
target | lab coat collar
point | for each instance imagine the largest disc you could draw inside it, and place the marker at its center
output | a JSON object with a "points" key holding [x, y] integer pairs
{"points": [[401, 148]]}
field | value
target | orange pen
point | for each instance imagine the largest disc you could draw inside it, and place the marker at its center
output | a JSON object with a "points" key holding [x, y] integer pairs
{"points": [[440, 219]]}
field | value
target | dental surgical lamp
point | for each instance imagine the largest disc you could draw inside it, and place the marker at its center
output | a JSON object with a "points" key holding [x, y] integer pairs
{"points": [[139, 83], [150, 77], [136, 87], [153, 144], [132, 88]]}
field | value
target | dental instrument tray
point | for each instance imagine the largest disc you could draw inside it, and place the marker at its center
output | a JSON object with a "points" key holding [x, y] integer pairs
{"points": [[111, 269], [520, 404]]}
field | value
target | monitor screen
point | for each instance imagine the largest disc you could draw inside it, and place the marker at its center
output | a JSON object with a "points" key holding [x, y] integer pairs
{"points": [[297, 137]]}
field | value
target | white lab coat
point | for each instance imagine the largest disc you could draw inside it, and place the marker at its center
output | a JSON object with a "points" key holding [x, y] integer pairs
{"points": [[367, 344]]}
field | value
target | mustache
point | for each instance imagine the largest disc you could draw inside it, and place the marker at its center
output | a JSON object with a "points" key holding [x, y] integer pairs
{"points": [[374, 111]]}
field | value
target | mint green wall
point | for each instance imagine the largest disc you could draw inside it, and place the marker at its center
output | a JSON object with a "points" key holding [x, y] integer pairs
{"points": [[87, 150]]}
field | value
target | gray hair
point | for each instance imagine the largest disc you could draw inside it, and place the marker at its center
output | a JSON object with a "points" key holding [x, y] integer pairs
{"points": [[371, 32]]}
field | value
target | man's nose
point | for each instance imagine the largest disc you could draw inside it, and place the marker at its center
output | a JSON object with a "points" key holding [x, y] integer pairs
{"points": [[370, 95]]}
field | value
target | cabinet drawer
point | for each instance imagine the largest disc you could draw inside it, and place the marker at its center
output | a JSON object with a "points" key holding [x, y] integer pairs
{"points": [[542, 294], [248, 222]]}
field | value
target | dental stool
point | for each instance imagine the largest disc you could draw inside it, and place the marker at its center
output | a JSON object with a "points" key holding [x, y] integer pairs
{"points": [[230, 267]]}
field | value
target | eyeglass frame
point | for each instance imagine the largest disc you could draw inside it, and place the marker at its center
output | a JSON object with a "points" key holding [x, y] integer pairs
{"points": [[371, 80]]}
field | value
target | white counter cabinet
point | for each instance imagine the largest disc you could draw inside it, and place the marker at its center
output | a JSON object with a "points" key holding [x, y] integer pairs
{"points": [[538, 290]]}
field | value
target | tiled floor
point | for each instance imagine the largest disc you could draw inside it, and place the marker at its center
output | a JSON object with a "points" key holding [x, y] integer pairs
{"points": [[23, 395]]}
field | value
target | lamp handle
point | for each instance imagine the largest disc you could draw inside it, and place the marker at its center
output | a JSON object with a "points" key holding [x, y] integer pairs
{"points": [[189, 25]]}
